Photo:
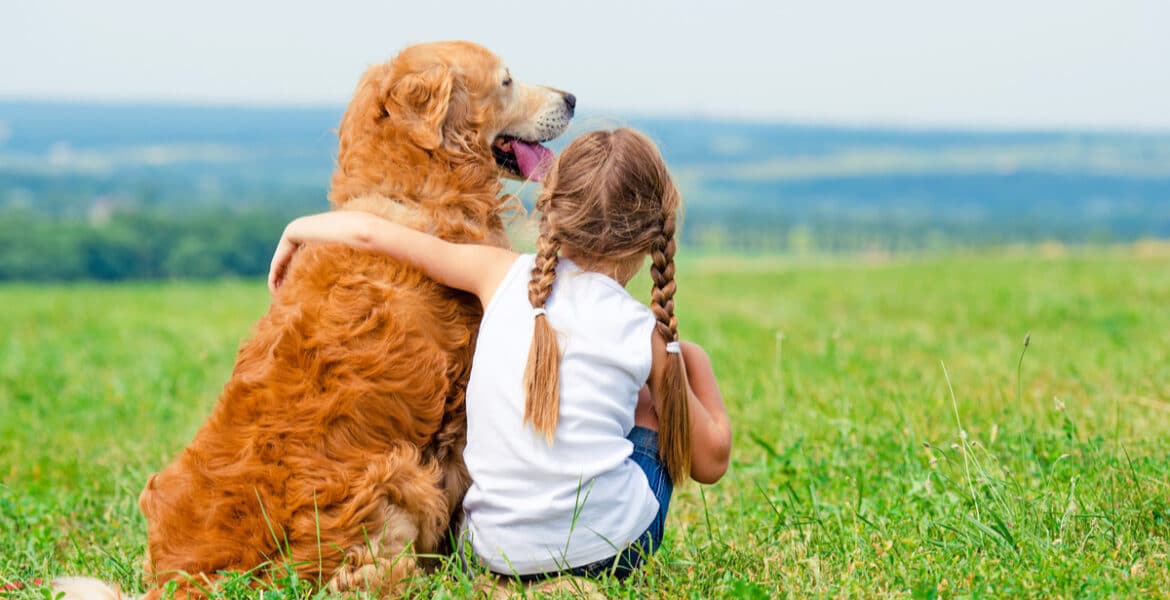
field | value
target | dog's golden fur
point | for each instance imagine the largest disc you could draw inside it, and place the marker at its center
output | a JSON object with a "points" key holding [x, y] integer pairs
{"points": [[336, 443]]}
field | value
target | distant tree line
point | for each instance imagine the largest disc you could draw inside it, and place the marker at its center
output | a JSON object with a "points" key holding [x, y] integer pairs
{"points": [[137, 245], [204, 242]]}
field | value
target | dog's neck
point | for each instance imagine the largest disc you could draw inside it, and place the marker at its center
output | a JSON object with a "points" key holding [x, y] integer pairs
{"points": [[452, 191], [388, 208], [433, 207]]}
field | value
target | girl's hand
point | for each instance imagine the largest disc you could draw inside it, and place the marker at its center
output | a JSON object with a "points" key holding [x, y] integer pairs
{"points": [[338, 226], [284, 253]]}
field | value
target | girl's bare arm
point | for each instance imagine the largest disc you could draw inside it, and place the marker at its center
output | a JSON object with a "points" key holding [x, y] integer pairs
{"points": [[710, 426], [469, 267]]}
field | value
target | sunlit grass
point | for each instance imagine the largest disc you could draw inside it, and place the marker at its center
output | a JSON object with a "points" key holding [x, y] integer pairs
{"points": [[858, 470]]}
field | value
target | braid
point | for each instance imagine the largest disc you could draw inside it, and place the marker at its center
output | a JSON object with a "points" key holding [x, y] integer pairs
{"points": [[662, 272], [543, 273], [542, 374], [672, 396]]}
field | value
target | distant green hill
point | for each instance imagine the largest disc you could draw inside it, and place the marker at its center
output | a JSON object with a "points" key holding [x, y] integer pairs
{"points": [[748, 186]]}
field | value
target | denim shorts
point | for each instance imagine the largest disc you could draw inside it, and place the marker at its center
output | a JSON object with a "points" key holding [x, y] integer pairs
{"points": [[626, 561]]}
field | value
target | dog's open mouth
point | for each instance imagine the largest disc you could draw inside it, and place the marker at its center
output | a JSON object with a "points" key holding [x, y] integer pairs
{"points": [[529, 160]]}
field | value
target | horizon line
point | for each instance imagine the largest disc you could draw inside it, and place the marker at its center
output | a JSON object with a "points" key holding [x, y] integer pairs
{"points": [[772, 119]]}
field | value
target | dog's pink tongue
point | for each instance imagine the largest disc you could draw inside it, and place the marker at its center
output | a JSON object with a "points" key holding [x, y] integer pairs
{"points": [[534, 160]]}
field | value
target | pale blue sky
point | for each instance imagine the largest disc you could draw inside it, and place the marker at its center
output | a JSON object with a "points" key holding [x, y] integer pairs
{"points": [[1012, 63]]}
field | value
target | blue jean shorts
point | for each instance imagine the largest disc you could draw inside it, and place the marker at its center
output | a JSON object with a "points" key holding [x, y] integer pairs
{"points": [[626, 561]]}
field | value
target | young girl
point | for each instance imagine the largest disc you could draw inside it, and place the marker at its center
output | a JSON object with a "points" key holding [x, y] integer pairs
{"points": [[582, 406]]}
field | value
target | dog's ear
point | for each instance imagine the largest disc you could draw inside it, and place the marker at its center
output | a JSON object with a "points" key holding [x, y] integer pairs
{"points": [[420, 101], [367, 107]]}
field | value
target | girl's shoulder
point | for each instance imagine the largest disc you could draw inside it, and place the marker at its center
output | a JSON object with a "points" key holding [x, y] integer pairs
{"points": [[512, 283]]}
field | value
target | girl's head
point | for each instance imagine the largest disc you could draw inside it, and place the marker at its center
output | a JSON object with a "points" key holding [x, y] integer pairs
{"points": [[608, 203]]}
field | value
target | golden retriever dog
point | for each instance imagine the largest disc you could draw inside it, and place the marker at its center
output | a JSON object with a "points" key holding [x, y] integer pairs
{"points": [[336, 445]]}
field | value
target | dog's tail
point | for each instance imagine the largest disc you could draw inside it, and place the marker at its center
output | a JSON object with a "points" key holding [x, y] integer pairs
{"points": [[87, 588]]}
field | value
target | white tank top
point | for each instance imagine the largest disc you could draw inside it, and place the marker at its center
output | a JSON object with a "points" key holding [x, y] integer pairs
{"points": [[532, 507]]}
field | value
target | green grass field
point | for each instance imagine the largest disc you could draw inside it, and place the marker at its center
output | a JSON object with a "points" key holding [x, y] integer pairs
{"points": [[859, 469]]}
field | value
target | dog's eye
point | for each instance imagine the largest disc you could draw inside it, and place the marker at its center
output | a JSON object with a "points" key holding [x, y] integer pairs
{"points": [[507, 81]]}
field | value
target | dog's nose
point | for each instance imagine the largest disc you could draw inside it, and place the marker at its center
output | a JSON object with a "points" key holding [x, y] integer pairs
{"points": [[570, 101]]}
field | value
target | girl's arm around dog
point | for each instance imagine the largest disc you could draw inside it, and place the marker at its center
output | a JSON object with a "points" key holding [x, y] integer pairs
{"points": [[468, 267]]}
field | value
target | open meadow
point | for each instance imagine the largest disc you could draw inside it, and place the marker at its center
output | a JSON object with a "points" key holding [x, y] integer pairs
{"points": [[893, 435]]}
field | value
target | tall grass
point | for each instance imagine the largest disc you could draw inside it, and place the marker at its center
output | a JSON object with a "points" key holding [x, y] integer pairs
{"points": [[892, 435]]}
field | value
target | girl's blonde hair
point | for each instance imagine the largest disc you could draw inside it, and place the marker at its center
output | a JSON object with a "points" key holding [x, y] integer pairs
{"points": [[610, 199]]}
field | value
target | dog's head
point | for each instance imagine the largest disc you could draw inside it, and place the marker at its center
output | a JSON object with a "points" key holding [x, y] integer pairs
{"points": [[455, 102]]}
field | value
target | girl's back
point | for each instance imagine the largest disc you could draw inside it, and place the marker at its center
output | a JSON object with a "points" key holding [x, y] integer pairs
{"points": [[582, 488]]}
